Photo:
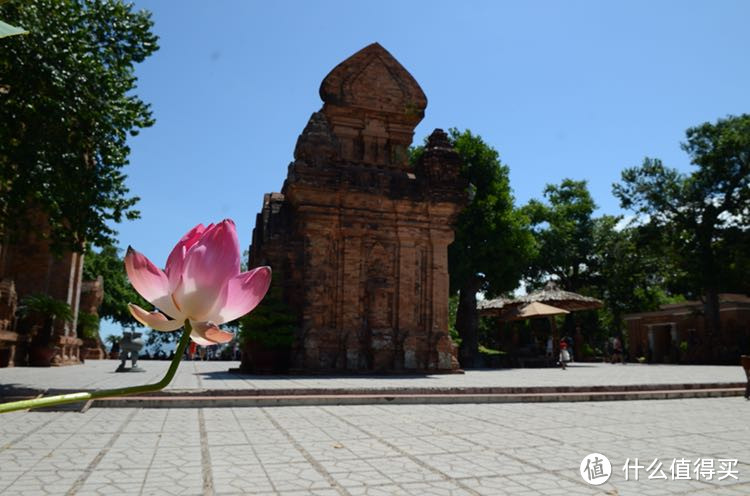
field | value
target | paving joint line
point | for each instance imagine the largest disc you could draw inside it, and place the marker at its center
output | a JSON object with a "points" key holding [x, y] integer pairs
{"points": [[26, 434], [153, 456], [411, 457], [21, 438], [255, 452], [81, 480], [206, 472], [306, 454], [521, 460], [513, 457]]}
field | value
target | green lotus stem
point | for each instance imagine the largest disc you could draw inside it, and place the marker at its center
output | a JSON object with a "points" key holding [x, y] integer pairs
{"points": [[106, 393]]}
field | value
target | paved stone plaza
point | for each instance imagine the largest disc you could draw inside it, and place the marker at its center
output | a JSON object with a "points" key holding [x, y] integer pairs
{"points": [[518, 449], [99, 374], [374, 449]]}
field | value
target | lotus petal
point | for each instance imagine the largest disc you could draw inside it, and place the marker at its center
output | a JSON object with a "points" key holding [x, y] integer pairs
{"points": [[155, 320], [211, 332], [150, 282], [209, 265], [177, 256], [244, 292]]}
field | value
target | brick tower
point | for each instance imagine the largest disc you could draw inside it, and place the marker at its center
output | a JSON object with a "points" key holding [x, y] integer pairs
{"points": [[358, 238]]}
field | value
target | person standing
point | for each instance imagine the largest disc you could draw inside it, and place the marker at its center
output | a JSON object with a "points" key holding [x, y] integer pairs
{"points": [[571, 348], [564, 354], [617, 355]]}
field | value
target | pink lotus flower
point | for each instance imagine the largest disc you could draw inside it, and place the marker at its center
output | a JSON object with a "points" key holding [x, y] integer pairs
{"points": [[201, 283]]}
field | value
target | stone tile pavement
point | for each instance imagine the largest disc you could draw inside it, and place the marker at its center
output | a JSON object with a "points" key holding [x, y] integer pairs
{"points": [[469, 449], [99, 374]]}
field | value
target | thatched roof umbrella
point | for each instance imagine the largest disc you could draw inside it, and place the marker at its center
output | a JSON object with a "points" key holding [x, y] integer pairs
{"points": [[567, 300], [533, 310], [506, 308], [550, 295]]}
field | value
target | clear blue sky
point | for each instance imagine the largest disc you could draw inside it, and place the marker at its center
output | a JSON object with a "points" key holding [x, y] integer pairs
{"points": [[578, 89]]}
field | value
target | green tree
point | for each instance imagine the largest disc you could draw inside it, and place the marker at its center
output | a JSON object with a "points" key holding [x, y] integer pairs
{"points": [[271, 324], [8, 30], [88, 325], [564, 232], [112, 340], [117, 289], [118, 292], [67, 108], [702, 218], [492, 244], [624, 275], [49, 311]]}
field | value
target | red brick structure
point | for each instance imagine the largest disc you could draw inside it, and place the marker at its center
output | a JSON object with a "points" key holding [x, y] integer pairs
{"points": [[30, 265], [9, 339], [358, 239], [677, 332], [92, 295]]}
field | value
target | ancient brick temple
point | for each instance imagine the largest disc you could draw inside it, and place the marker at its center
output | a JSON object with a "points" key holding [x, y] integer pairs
{"points": [[358, 239], [28, 266]]}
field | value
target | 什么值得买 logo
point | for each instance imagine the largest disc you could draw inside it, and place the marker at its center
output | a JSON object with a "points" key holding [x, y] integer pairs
{"points": [[596, 469]]}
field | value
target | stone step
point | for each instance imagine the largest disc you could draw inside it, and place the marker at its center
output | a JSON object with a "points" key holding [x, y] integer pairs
{"points": [[12, 394], [176, 398], [412, 390], [329, 399]]}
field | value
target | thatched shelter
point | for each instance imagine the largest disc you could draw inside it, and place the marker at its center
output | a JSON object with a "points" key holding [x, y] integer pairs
{"points": [[564, 302], [550, 295]]}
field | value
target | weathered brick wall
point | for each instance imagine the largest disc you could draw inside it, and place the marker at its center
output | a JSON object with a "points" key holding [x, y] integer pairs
{"points": [[359, 236], [689, 327], [30, 263], [92, 296]]}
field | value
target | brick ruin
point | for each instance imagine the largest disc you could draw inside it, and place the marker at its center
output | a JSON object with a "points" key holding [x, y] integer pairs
{"points": [[92, 296], [9, 339], [358, 239], [29, 266]]}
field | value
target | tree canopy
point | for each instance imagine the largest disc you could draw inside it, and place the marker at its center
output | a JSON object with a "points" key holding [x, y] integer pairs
{"points": [[624, 275], [492, 240], [596, 256], [564, 232], [118, 291], [701, 218], [67, 108]]}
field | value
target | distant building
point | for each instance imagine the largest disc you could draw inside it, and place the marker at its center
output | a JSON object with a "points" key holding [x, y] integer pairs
{"points": [[676, 333]]}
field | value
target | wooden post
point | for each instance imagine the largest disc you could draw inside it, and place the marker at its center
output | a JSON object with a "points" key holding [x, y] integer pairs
{"points": [[555, 337], [745, 361]]}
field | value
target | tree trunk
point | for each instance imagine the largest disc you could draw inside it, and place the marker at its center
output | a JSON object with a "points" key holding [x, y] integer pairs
{"points": [[710, 281], [618, 324], [711, 310], [467, 324]]}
